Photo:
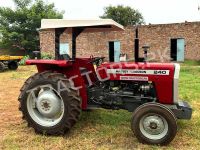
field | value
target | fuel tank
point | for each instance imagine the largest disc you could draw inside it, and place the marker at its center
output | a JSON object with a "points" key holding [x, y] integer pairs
{"points": [[160, 74]]}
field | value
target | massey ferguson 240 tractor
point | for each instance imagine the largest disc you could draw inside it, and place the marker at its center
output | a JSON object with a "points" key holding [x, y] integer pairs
{"points": [[52, 99]]}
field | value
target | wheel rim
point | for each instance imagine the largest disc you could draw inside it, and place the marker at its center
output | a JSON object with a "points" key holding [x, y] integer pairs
{"points": [[153, 126], [45, 106]]}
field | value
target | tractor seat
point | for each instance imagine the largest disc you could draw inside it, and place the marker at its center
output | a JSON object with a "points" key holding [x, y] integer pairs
{"points": [[65, 57]]}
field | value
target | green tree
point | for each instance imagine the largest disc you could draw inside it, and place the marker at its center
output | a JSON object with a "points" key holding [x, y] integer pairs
{"points": [[124, 15], [19, 26]]}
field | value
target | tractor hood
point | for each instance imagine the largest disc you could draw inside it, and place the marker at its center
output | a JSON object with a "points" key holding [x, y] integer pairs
{"points": [[164, 76], [117, 71]]}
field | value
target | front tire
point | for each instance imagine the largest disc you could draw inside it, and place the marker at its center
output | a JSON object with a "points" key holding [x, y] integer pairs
{"points": [[2, 67], [46, 109], [153, 123], [13, 65]]}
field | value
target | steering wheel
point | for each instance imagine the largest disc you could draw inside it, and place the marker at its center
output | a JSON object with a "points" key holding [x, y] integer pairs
{"points": [[97, 60]]}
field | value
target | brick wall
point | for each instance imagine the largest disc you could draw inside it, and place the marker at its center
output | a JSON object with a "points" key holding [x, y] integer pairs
{"points": [[47, 41], [158, 37], [96, 43]]}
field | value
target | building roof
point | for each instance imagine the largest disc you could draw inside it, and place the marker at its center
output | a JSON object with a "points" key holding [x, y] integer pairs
{"points": [[93, 25]]}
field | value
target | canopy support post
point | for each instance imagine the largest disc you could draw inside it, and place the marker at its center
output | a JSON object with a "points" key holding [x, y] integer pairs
{"points": [[58, 32], [75, 33], [136, 45]]}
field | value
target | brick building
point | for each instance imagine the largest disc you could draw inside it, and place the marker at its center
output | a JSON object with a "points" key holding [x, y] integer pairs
{"points": [[177, 42]]}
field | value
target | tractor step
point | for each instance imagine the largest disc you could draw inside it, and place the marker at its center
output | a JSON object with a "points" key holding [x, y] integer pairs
{"points": [[183, 111], [92, 107]]}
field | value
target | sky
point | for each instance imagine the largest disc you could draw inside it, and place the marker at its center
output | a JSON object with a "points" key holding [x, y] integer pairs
{"points": [[153, 11]]}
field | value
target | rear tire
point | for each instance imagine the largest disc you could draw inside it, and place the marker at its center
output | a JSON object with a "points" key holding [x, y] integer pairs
{"points": [[51, 113], [153, 123], [13, 65], [2, 67]]}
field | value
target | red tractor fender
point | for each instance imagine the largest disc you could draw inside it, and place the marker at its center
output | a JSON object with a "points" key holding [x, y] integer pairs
{"points": [[72, 71]]}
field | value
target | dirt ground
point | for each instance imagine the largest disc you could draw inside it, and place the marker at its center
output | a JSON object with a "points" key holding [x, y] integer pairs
{"points": [[101, 129]]}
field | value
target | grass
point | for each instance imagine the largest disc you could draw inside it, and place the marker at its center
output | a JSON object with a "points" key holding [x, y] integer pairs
{"points": [[99, 129], [191, 63]]}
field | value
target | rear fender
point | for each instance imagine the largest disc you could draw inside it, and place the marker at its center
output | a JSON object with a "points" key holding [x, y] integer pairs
{"points": [[72, 72]]}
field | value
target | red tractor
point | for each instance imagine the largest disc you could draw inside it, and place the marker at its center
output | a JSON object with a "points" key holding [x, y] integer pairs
{"points": [[52, 99]]}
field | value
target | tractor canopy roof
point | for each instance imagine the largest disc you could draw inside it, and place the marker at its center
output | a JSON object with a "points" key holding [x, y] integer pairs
{"points": [[77, 27], [99, 25]]}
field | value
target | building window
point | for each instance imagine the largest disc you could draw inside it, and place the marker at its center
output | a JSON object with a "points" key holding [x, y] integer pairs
{"points": [[64, 48]]}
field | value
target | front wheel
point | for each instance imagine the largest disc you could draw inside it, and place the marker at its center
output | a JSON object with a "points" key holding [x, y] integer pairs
{"points": [[2, 67], [154, 123], [13, 65]]}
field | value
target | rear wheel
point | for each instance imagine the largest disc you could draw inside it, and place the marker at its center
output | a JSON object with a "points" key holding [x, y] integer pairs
{"points": [[13, 65], [2, 67], [154, 123], [45, 108]]}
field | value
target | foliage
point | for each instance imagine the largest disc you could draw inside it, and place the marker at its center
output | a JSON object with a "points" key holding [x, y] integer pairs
{"points": [[123, 15], [43, 56], [23, 60], [19, 26], [46, 56]]}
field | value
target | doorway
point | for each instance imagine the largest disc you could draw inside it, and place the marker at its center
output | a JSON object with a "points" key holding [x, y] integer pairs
{"points": [[177, 49], [114, 51]]}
